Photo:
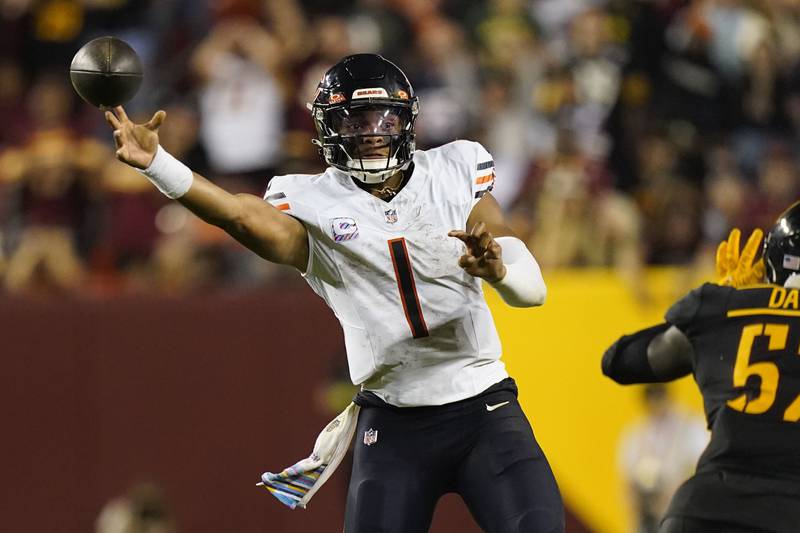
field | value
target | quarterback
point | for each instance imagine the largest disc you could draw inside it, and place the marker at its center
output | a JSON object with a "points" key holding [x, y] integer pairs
{"points": [[396, 241]]}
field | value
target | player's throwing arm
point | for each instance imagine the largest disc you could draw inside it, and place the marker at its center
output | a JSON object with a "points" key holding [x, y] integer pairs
{"points": [[253, 222]]}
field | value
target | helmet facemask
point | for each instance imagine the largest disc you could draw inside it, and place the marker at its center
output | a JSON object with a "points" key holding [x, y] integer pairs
{"points": [[369, 141]]}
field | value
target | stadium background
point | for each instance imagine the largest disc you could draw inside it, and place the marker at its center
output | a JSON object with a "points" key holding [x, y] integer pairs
{"points": [[139, 345]]}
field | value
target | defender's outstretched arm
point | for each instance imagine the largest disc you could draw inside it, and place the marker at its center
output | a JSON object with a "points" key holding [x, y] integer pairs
{"points": [[652, 355]]}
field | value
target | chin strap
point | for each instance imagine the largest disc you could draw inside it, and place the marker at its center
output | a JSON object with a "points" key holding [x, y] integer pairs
{"points": [[386, 193], [371, 178], [374, 178]]}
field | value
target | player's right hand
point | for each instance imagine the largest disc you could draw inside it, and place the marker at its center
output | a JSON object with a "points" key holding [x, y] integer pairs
{"points": [[136, 143], [735, 269], [483, 257]]}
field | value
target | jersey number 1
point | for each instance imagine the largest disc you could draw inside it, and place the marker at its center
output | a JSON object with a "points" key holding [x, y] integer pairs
{"points": [[408, 289]]}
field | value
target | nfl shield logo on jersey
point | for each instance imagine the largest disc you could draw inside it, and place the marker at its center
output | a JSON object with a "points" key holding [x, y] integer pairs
{"points": [[344, 229], [391, 215], [370, 436]]}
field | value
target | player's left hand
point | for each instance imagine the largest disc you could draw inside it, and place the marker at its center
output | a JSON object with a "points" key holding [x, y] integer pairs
{"points": [[739, 269], [483, 257]]}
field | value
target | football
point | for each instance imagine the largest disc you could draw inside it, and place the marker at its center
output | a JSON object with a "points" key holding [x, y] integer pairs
{"points": [[106, 72]]}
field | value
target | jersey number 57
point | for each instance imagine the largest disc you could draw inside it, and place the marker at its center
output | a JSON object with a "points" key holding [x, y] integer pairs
{"points": [[766, 370]]}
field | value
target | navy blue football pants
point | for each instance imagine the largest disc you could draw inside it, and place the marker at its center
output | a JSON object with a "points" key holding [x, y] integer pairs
{"points": [[481, 448]]}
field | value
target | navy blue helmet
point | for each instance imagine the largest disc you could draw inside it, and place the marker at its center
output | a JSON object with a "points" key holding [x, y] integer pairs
{"points": [[364, 111]]}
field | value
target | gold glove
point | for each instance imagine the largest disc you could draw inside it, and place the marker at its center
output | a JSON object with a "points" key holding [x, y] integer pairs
{"points": [[738, 270]]}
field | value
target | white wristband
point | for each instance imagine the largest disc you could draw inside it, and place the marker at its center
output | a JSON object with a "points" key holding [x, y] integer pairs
{"points": [[169, 175], [523, 285]]}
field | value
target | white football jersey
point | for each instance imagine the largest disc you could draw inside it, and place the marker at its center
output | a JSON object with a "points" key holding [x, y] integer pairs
{"points": [[417, 329]]}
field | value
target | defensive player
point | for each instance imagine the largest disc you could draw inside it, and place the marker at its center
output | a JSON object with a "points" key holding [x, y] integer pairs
{"points": [[742, 346], [397, 241]]}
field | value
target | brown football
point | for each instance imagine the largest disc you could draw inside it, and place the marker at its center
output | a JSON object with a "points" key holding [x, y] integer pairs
{"points": [[106, 72]]}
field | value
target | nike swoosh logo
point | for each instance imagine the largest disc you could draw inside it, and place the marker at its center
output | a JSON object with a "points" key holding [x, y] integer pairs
{"points": [[495, 406]]}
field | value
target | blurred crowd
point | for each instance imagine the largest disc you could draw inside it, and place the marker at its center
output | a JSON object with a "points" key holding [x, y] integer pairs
{"points": [[144, 508], [625, 133], [656, 454]]}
